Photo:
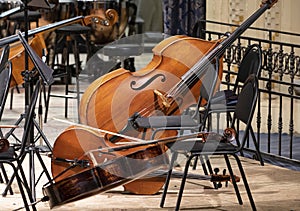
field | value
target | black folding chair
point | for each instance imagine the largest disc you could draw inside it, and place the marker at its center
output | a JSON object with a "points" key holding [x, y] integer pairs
{"points": [[15, 153], [224, 101], [243, 113], [5, 77]]}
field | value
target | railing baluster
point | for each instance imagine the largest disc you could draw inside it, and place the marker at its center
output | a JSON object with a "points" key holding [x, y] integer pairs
{"points": [[276, 112]]}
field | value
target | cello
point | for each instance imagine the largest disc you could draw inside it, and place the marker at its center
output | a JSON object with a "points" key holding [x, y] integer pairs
{"points": [[95, 166], [166, 86]]}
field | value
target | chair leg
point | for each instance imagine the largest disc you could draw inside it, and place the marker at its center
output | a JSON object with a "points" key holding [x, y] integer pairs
{"points": [[1, 179], [47, 104], [22, 192], [78, 68], [202, 164], [11, 98], [210, 169], [186, 169], [20, 185], [12, 95], [9, 183], [237, 192], [204, 160], [6, 178], [25, 183], [166, 186], [258, 154], [245, 182]]}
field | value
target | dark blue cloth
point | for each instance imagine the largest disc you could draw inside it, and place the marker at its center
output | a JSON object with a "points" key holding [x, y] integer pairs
{"points": [[180, 16]]}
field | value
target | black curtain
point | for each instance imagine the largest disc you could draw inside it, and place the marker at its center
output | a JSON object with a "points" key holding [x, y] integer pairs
{"points": [[183, 17]]}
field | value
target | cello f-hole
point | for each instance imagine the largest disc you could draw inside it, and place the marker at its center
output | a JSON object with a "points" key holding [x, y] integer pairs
{"points": [[148, 82]]}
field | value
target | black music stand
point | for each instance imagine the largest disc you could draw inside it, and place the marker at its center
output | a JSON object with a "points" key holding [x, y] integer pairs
{"points": [[45, 74], [28, 75]]}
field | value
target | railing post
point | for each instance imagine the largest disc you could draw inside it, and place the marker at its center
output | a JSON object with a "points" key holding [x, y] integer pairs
{"points": [[291, 91], [269, 88]]}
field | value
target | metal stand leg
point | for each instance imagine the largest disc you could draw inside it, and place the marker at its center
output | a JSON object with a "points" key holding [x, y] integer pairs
{"points": [[31, 151]]}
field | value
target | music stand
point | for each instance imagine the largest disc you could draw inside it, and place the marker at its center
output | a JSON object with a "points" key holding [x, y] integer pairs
{"points": [[45, 73], [46, 76], [44, 70]]}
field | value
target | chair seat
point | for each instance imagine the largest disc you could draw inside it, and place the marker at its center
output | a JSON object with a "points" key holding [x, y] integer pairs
{"points": [[196, 146], [9, 154]]}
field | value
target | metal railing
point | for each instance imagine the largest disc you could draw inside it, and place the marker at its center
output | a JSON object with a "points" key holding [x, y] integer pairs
{"points": [[277, 125]]}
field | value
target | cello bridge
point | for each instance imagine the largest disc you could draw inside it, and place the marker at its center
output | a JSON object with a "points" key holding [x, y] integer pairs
{"points": [[163, 98]]}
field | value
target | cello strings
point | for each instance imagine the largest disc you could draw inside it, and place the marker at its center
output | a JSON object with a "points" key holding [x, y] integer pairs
{"points": [[182, 86], [194, 74]]}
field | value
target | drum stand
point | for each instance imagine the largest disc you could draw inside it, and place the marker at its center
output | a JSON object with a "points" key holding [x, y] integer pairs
{"points": [[46, 74]]}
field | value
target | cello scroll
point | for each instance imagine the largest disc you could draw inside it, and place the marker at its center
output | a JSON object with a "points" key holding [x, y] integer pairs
{"points": [[103, 26], [269, 2]]}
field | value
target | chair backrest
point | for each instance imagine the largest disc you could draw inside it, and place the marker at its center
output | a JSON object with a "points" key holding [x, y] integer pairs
{"points": [[246, 104], [5, 77], [250, 64], [4, 56]]}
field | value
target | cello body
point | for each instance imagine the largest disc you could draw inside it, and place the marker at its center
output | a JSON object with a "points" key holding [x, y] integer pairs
{"points": [[113, 98], [81, 142]]}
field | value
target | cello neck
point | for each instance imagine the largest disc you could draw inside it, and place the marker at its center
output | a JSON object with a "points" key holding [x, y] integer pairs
{"points": [[266, 4], [199, 69]]}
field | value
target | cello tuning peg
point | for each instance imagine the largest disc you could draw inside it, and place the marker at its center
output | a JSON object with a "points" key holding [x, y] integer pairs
{"points": [[224, 172], [219, 185], [216, 170], [226, 182], [227, 34]]}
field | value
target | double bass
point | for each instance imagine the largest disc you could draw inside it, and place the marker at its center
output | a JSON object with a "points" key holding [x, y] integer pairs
{"points": [[166, 86]]}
